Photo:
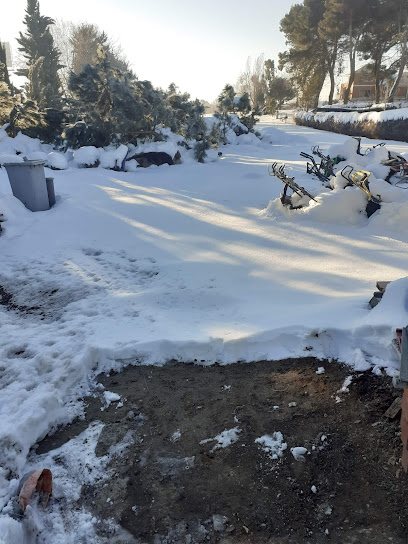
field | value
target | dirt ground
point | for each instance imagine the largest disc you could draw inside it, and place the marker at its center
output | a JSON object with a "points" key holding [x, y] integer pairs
{"points": [[169, 486]]}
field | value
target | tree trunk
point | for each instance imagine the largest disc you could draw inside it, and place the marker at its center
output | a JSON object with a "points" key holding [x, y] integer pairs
{"points": [[403, 58], [352, 59], [332, 85], [377, 75], [403, 61], [346, 96], [331, 65]]}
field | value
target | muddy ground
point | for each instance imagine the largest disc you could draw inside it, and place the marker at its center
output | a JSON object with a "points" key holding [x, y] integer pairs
{"points": [[169, 486]]}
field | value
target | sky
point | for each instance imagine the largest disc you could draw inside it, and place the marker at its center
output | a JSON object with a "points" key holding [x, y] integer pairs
{"points": [[200, 46]]}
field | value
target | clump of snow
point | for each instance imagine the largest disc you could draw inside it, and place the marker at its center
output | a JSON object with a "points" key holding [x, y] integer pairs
{"points": [[176, 435], [26, 145], [113, 158], [273, 135], [37, 156], [224, 439], [313, 489], [320, 370], [9, 158], [11, 531], [110, 397], [211, 155], [273, 444], [131, 166], [347, 150], [248, 139], [345, 387], [298, 453]]}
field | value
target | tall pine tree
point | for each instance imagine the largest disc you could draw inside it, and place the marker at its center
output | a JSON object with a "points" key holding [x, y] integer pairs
{"points": [[42, 59], [6, 89]]}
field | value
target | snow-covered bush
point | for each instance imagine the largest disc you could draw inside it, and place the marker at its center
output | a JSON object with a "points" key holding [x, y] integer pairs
{"points": [[57, 161], [87, 156]]}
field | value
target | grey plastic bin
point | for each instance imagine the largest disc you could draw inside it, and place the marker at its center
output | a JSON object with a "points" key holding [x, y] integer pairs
{"points": [[28, 184], [50, 191]]}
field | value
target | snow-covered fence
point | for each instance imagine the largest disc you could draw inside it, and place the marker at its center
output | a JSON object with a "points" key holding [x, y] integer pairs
{"points": [[384, 125]]}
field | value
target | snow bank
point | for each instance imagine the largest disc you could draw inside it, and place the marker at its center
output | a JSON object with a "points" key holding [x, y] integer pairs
{"points": [[346, 204], [390, 124], [353, 116]]}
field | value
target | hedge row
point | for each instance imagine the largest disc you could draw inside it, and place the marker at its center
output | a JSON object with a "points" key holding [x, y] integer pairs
{"points": [[355, 124]]}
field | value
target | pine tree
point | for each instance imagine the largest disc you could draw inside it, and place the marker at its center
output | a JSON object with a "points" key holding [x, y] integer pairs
{"points": [[279, 89], [344, 22], [42, 58], [26, 117], [225, 101], [401, 9], [200, 150], [307, 57], [110, 100], [6, 102], [380, 35], [4, 75], [7, 90], [195, 126], [85, 40]]}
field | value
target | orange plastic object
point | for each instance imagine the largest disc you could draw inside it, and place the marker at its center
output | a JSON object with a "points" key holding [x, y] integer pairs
{"points": [[38, 480]]}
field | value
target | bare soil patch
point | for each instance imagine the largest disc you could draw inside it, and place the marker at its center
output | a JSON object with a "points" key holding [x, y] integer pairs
{"points": [[171, 487]]}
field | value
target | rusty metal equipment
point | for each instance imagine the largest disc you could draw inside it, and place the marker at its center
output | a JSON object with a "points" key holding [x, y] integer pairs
{"points": [[359, 178], [279, 172]]}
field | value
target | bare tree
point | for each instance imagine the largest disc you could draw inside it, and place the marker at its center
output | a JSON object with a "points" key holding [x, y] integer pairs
{"points": [[252, 81], [78, 44], [61, 32], [85, 40], [402, 46]]}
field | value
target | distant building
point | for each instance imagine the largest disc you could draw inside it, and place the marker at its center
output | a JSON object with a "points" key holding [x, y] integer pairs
{"points": [[363, 88], [9, 59]]}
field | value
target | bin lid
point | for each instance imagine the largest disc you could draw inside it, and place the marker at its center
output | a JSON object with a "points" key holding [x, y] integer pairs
{"points": [[37, 162]]}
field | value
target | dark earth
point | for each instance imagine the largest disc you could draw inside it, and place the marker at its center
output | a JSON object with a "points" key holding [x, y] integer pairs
{"points": [[169, 488]]}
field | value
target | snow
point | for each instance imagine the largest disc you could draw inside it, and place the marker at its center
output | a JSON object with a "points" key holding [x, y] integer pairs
{"points": [[110, 397], [192, 261], [273, 444], [224, 439], [57, 161], [298, 453], [37, 156], [87, 155], [355, 117]]}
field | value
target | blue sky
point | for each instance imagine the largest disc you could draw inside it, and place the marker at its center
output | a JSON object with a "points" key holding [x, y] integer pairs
{"points": [[200, 46]]}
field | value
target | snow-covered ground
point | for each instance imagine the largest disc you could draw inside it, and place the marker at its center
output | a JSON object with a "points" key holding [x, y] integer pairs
{"points": [[188, 262]]}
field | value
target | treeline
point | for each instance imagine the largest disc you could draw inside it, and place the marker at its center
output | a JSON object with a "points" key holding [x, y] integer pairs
{"points": [[326, 36], [81, 91], [325, 39]]}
